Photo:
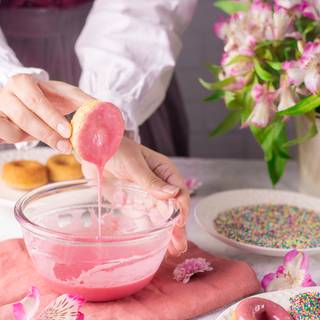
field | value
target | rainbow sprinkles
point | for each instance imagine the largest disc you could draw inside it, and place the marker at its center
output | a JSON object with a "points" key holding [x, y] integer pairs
{"points": [[270, 225]]}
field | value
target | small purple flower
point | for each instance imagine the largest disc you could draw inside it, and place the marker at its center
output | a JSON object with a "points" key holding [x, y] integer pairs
{"points": [[292, 274], [185, 270]]}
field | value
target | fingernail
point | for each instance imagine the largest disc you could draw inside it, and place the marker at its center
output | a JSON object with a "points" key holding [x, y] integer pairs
{"points": [[64, 130], [64, 146], [170, 189]]}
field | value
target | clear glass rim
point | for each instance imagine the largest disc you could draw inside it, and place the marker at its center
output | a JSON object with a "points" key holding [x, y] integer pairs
{"points": [[84, 240]]}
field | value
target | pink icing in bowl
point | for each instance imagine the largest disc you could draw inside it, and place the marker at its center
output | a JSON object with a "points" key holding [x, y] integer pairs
{"points": [[60, 228]]}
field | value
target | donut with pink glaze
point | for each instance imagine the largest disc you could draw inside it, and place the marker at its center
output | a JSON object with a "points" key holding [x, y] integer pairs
{"points": [[98, 128], [260, 309]]}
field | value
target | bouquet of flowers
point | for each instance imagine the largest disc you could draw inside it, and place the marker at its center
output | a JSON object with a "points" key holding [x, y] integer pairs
{"points": [[269, 72]]}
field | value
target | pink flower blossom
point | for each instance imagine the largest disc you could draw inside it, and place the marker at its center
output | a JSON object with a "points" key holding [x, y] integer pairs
{"points": [[288, 4], [185, 270], [65, 307], [264, 106], [292, 274], [240, 70], [27, 308], [310, 9], [282, 25], [307, 69], [286, 93], [193, 184]]}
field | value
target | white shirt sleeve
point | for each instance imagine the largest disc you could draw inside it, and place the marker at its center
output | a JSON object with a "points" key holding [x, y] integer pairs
{"points": [[10, 65], [128, 50]]}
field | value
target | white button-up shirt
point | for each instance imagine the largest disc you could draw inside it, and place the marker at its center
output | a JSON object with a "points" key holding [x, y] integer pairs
{"points": [[127, 50]]}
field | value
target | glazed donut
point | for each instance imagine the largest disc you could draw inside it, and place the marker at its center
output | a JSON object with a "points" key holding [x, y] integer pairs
{"points": [[97, 130], [260, 309], [24, 174], [63, 167]]}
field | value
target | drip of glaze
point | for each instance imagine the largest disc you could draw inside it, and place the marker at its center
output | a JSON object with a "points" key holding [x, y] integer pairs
{"points": [[98, 141]]}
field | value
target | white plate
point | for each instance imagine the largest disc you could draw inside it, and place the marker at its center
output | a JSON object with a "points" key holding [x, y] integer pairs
{"points": [[280, 297], [9, 195], [210, 207]]}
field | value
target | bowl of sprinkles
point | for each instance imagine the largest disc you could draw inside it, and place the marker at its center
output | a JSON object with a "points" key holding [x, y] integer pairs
{"points": [[262, 221]]}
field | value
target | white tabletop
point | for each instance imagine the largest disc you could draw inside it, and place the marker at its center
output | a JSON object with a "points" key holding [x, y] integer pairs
{"points": [[225, 174], [216, 175]]}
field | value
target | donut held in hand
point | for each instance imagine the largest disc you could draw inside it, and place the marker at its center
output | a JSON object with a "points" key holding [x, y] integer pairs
{"points": [[97, 131]]}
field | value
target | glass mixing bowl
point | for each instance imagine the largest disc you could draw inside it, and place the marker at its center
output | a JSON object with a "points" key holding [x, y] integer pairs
{"points": [[60, 228]]}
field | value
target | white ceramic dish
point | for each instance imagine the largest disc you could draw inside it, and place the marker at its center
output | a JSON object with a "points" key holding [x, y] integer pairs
{"points": [[9, 195], [280, 297], [210, 207]]}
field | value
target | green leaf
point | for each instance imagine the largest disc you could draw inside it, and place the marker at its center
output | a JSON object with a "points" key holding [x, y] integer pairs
{"points": [[238, 59], [218, 94], [262, 73], [312, 131], [216, 85], [276, 167], [303, 106], [229, 122], [275, 65], [231, 7], [265, 43], [272, 140], [214, 69]]}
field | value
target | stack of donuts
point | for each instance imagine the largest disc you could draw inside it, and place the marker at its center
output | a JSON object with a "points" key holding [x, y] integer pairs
{"points": [[28, 174]]}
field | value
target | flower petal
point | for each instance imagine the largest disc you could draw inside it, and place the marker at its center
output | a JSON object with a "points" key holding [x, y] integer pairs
{"points": [[295, 73], [288, 4], [279, 283], [65, 307], [312, 80], [267, 279], [27, 308], [185, 270]]}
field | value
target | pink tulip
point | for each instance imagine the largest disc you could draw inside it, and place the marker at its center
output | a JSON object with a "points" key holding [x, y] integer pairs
{"points": [[307, 69]]}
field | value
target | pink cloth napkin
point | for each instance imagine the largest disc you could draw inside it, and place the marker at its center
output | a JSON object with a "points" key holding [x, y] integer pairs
{"points": [[163, 299]]}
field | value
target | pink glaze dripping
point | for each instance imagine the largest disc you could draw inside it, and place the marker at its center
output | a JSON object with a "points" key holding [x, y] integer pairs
{"points": [[99, 139]]}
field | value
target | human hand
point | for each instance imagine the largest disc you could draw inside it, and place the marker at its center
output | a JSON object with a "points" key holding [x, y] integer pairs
{"points": [[156, 174], [32, 109]]}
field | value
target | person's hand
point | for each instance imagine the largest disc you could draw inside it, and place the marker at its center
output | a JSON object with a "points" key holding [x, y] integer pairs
{"points": [[31, 109], [156, 174]]}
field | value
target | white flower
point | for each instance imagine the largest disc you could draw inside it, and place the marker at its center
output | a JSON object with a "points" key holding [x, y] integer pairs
{"points": [[288, 4], [292, 274], [307, 69], [264, 106], [282, 22], [287, 98]]}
